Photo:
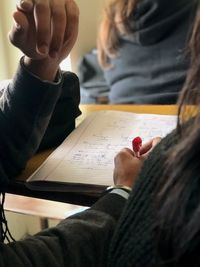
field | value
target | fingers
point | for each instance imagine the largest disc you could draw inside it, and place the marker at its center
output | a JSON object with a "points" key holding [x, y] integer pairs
{"points": [[59, 20], [56, 25], [20, 27], [127, 167], [123, 153], [149, 146], [25, 5], [126, 152], [71, 32], [42, 16], [156, 141]]}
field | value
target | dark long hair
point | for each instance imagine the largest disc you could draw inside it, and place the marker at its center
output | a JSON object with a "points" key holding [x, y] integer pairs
{"points": [[115, 21], [178, 200]]}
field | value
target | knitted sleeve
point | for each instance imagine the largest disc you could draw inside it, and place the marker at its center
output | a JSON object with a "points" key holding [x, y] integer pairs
{"points": [[134, 243]]}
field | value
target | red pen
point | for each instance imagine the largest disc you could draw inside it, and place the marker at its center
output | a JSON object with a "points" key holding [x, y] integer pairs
{"points": [[137, 144]]}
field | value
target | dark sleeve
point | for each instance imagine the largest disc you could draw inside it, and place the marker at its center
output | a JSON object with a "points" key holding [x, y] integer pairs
{"points": [[26, 106], [66, 110], [81, 240]]}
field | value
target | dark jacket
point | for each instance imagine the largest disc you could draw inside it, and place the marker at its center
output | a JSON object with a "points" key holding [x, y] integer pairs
{"points": [[31, 109], [26, 107], [135, 240], [81, 240], [152, 61]]}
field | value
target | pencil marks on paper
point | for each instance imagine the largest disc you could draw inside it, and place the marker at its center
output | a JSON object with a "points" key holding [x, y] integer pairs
{"points": [[87, 155]]}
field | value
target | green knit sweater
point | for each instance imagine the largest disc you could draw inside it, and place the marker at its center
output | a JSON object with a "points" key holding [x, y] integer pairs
{"points": [[134, 241]]}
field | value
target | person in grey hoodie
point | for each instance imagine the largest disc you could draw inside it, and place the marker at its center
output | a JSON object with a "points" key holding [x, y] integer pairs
{"points": [[142, 48]]}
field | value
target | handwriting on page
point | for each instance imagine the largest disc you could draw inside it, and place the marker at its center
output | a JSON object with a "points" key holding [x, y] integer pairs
{"points": [[90, 153], [97, 146]]}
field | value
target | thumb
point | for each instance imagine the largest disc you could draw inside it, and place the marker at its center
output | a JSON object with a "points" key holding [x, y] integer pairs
{"points": [[18, 33], [156, 141], [149, 146]]}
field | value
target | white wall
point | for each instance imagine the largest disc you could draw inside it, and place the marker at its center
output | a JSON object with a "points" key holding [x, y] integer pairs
{"points": [[22, 225], [8, 54], [90, 14]]}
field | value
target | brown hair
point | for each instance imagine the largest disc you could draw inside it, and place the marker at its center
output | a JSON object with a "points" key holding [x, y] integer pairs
{"points": [[178, 200], [190, 93], [115, 21]]}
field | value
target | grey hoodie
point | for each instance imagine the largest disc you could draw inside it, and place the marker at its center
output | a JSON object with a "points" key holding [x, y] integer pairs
{"points": [[152, 61]]}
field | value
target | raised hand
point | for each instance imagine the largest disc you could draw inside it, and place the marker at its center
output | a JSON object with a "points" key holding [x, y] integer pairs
{"points": [[45, 31]]}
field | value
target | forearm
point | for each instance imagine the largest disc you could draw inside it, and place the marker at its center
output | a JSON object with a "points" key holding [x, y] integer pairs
{"points": [[81, 240], [25, 110], [43, 68]]}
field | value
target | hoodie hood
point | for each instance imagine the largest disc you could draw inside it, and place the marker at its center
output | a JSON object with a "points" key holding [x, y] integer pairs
{"points": [[152, 20]]}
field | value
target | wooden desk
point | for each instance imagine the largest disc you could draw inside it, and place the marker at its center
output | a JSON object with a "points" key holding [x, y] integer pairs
{"points": [[18, 187]]}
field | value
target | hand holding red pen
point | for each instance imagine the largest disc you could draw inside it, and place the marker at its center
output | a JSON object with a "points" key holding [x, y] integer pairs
{"points": [[128, 166]]}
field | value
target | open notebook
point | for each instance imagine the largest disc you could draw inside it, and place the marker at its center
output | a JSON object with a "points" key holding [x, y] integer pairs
{"points": [[84, 161]]}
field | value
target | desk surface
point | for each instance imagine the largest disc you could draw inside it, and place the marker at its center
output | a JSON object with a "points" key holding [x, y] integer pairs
{"points": [[18, 187]]}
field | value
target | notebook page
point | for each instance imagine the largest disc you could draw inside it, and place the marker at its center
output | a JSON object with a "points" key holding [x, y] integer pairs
{"points": [[87, 155]]}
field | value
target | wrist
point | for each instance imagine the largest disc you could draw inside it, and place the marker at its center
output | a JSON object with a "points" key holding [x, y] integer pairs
{"points": [[42, 68], [118, 186], [122, 190]]}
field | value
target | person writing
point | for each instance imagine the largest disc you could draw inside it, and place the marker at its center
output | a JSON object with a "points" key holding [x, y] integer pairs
{"points": [[142, 49], [160, 224]]}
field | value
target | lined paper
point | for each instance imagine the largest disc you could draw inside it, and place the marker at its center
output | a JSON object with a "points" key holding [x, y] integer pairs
{"points": [[87, 155]]}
